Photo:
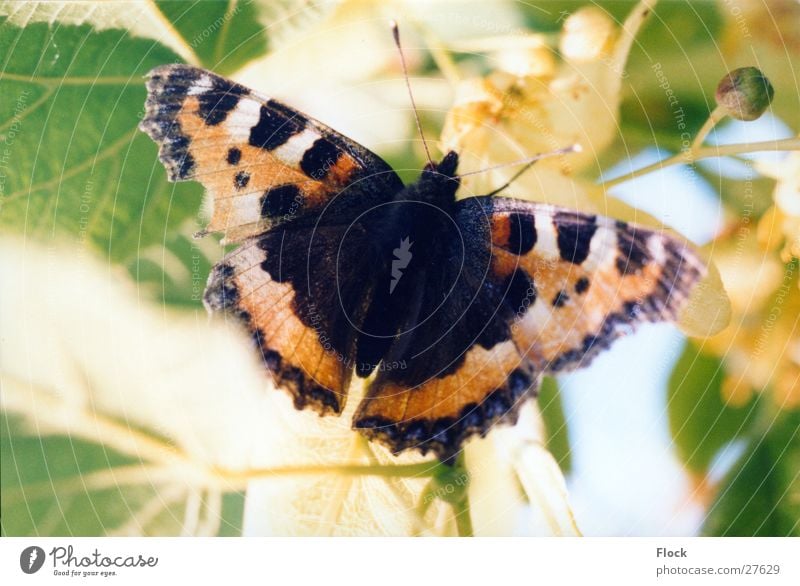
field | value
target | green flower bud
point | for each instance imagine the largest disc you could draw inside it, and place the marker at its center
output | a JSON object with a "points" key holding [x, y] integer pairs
{"points": [[745, 93]]}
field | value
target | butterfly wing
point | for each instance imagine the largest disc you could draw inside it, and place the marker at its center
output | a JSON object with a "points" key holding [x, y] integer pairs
{"points": [[301, 294], [541, 290], [262, 162], [595, 278]]}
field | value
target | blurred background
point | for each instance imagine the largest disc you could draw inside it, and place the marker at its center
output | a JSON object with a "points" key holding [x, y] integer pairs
{"points": [[126, 410]]}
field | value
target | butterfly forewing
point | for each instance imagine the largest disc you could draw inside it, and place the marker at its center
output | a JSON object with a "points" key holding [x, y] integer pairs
{"points": [[594, 278], [261, 162]]}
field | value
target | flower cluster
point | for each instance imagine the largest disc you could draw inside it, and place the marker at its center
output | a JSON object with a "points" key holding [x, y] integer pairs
{"points": [[761, 348], [539, 98]]}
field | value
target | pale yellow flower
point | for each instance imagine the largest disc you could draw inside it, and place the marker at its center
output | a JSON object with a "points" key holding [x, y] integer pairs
{"points": [[534, 103], [344, 69], [760, 347]]}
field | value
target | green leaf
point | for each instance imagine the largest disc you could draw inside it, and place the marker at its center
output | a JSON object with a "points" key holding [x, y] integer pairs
{"points": [[224, 34], [74, 165], [232, 517], [555, 423], [58, 485], [761, 495], [43, 492], [700, 421]]}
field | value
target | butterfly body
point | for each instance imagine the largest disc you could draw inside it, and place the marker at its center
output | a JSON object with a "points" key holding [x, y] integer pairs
{"points": [[456, 308]]}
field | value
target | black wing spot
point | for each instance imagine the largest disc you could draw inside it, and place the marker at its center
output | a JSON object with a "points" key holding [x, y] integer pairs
{"points": [[561, 299], [275, 126], [497, 403], [178, 81], [186, 166], [175, 153], [522, 233], [234, 156], [272, 359], [281, 201], [581, 285], [519, 382], [326, 399], [319, 158], [520, 291], [632, 247], [575, 233], [221, 292], [241, 179], [219, 101]]}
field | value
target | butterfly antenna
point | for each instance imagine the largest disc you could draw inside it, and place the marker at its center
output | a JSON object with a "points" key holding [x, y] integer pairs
{"points": [[396, 35], [528, 162]]}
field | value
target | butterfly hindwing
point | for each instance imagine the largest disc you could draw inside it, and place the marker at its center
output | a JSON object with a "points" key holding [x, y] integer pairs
{"points": [[453, 370], [261, 162], [542, 290], [301, 295]]}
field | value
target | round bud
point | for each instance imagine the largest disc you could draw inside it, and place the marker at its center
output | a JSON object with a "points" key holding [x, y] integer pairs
{"points": [[745, 93]]}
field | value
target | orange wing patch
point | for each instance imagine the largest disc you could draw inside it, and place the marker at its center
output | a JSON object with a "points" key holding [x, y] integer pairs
{"points": [[238, 177], [441, 413]]}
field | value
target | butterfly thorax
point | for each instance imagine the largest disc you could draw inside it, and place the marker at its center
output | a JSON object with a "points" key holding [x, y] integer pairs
{"points": [[420, 211], [410, 238]]}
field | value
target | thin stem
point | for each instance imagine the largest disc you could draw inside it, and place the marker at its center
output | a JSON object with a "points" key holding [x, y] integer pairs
{"points": [[716, 116], [460, 504], [630, 28], [463, 518], [426, 498], [689, 157], [400, 470], [223, 33], [727, 150]]}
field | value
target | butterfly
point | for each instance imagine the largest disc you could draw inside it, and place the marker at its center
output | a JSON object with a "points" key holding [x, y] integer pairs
{"points": [[454, 307]]}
